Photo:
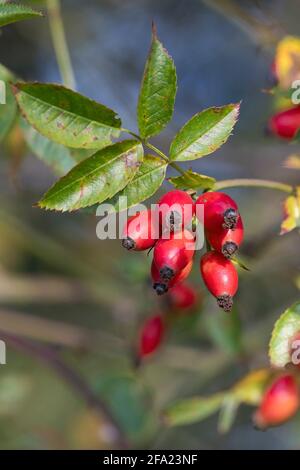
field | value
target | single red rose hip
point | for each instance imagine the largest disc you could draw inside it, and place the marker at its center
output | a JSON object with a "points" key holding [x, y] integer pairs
{"points": [[220, 210], [226, 241], [280, 402], [161, 286], [220, 278], [141, 231], [183, 296], [176, 210], [286, 124], [151, 335], [172, 254]]}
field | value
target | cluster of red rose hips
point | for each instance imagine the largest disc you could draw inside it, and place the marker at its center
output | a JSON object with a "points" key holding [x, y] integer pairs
{"points": [[279, 403], [168, 230], [173, 254]]}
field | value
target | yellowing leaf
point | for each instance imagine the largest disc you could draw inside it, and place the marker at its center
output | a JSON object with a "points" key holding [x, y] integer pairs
{"points": [[291, 212], [192, 180], [250, 389], [292, 162], [287, 61]]}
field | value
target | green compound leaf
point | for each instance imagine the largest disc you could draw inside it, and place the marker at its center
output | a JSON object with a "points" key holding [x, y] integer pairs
{"points": [[66, 117], [204, 133], [59, 158], [158, 90], [192, 180], [8, 111], [10, 13], [193, 409], [95, 179], [286, 327], [145, 183]]}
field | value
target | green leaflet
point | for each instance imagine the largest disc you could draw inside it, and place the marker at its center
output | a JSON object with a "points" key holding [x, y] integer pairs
{"points": [[286, 327], [158, 90], [193, 409], [8, 110], [59, 158], [66, 117], [10, 13], [204, 133], [145, 183], [192, 180], [95, 179]]}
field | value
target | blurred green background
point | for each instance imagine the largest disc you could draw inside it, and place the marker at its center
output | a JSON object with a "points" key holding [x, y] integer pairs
{"points": [[84, 299]]}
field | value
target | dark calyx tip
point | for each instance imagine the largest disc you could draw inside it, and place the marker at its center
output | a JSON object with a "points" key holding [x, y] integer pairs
{"points": [[166, 273], [128, 243], [229, 248], [160, 288], [225, 302], [174, 221], [231, 217]]}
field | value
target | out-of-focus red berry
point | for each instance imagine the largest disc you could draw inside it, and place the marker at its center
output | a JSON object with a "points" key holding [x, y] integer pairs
{"points": [[286, 124], [280, 402], [151, 335], [183, 296]]}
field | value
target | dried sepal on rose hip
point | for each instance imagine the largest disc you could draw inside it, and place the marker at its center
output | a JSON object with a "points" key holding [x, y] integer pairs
{"points": [[172, 254], [161, 286], [226, 241], [141, 231], [279, 403], [220, 278], [220, 211], [151, 336], [176, 210]]}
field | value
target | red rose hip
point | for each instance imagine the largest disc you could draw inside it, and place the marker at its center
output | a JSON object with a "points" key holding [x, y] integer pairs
{"points": [[280, 402], [220, 210], [286, 124], [183, 296], [172, 254], [141, 231], [226, 241], [151, 335], [176, 210], [161, 286], [220, 278]]}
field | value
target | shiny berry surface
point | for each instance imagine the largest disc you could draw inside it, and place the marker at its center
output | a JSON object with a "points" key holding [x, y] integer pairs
{"points": [[220, 210], [176, 209], [220, 278], [141, 231], [280, 402], [173, 254]]}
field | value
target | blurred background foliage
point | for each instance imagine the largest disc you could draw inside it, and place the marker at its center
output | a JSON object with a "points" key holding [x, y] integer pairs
{"points": [[83, 299]]}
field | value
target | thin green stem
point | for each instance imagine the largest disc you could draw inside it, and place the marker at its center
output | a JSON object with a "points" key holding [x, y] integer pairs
{"points": [[156, 150], [248, 182], [60, 43]]}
